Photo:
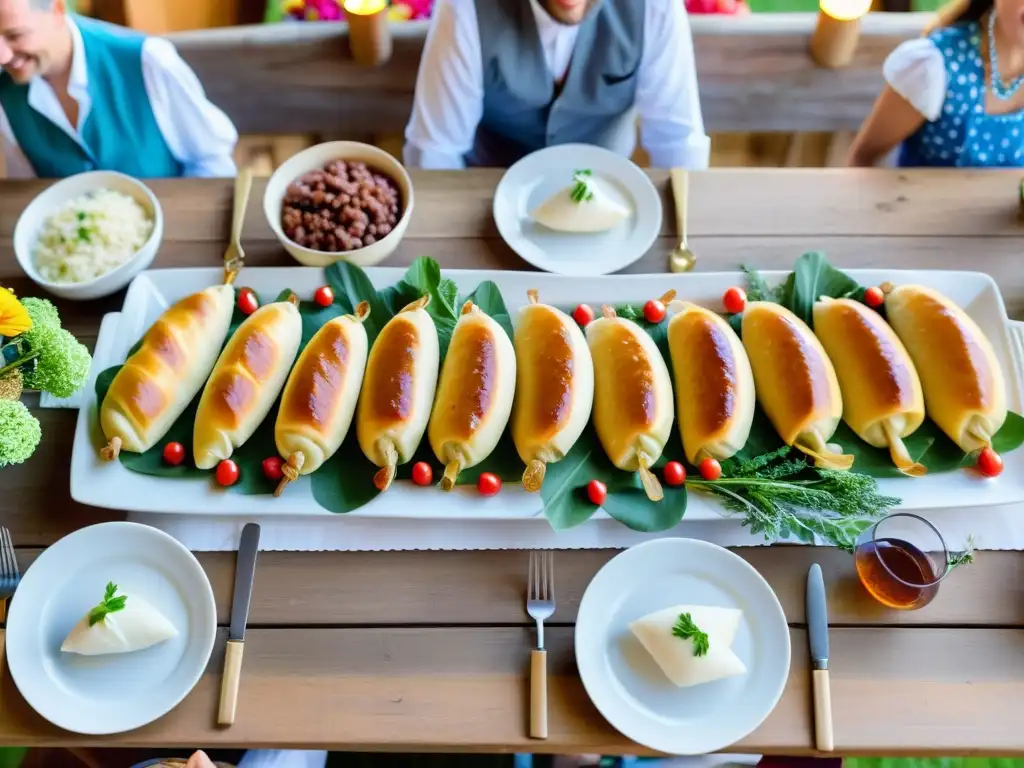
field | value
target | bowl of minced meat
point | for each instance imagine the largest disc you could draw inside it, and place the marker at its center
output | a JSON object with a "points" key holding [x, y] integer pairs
{"points": [[89, 235]]}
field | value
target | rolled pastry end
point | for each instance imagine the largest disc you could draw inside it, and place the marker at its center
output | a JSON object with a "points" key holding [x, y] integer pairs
{"points": [[362, 312], [900, 455], [111, 450], [383, 479], [648, 479], [533, 296], [812, 444], [290, 469], [533, 477], [451, 474], [420, 303], [608, 312]]}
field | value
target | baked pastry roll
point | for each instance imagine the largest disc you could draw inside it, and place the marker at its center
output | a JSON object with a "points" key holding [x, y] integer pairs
{"points": [[246, 381], [474, 395], [795, 381], [320, 396], [157, 382], [398, 389], [964, 389], [715, 395], [554, 387], [882, 398], [632, 396]]}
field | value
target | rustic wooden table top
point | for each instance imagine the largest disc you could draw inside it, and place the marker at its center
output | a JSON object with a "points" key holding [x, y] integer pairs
{"points": [[429, 650]]}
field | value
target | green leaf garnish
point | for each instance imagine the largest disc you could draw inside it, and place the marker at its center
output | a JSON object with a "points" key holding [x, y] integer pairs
{"points": [[581, 190], [109, 604], [687, 630], [964, 557]]}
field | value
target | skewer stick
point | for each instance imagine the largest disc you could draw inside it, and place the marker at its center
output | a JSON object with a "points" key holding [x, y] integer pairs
{"points": [[533, 296], [290, 469], [667, 297], [648, 479], [112, 449], [533, 477], [608, 312], [383, 479], [451, 473]]}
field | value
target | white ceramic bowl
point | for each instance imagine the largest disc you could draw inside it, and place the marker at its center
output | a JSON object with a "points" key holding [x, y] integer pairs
{"points": [[317, 157], [26, 232]]}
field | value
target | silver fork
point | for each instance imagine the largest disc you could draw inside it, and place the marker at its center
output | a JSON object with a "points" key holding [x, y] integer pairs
{"points": [[540, 605], [10, 576]]}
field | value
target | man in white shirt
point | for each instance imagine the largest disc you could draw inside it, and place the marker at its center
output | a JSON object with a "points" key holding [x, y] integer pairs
{"points": [[77, 94], [502, 78]]}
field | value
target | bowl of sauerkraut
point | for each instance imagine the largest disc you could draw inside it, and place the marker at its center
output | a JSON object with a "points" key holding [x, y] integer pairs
{"points": [[88, 235]]}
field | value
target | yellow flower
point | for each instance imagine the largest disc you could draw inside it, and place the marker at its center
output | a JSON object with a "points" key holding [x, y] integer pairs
{"points": [[14, 319]]}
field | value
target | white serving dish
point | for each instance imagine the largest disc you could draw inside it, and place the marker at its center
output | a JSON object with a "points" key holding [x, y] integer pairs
{"points": [[113, 486], [26, 232], [315, 158]]}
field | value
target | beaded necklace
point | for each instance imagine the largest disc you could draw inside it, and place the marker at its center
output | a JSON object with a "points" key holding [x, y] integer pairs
{"points": [[1001, 90]]}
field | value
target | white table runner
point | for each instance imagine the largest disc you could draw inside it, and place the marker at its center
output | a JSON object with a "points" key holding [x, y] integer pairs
{"points": [[993, 527]]}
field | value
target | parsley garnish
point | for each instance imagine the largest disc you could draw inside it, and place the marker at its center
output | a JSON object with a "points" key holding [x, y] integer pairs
{"points": [[687, 630], [581, 189], [110, 604]]}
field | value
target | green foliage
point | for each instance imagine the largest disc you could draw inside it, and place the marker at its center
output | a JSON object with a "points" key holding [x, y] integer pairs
{"points": [[19, 432]]}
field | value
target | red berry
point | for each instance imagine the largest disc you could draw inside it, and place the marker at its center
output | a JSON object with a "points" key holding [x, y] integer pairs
{"points": [[990, 463], [488, 484], [735, 300], [247, 301], [272, 468], [674, 473], [654, 311], [324, 296], [710, 469], [174, 453], [597, 492], [583, 315], [227, 472], [874, 297], [422, 473]]}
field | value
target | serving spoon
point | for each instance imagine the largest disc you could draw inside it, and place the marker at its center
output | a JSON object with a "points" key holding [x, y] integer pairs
{"points": [[234, 255], [681, 258]]}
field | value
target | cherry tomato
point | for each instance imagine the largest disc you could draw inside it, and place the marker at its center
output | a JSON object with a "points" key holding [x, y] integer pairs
{"points": [[488, 484], [874, 297], [710, 469], [674, 473], [990, 463], [735, 300], [174, 453], [247, 301], [272, 468], [654, 311], [324, 296], [422, 473], [597, 492], [227, 473], [583, 315]]}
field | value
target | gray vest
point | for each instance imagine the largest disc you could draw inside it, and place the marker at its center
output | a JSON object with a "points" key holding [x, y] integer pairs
{"points": [[522, 112]]}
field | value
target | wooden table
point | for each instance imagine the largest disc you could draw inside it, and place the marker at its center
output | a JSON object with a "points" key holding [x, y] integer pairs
{"points": [[429, 650]]}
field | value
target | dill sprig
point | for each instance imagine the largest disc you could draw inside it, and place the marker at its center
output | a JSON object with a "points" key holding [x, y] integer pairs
{"points": [[686, 629], [964, 557], [581, 190], [781, 497]]}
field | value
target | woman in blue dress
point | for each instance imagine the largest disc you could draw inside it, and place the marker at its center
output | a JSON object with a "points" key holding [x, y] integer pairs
{"points": [[954, 97]]}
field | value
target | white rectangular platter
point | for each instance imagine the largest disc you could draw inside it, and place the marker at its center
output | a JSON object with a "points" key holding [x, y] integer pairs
{"points": [[112, 486]]}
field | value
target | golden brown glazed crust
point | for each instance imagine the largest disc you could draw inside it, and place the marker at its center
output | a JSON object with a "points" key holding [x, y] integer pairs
{"points": [[798, 378], [547, 385], [471, 391], [966, 368], [712, 374], [630, 377], [320, 379], [389, 380], [231, 392], [889, 382]]}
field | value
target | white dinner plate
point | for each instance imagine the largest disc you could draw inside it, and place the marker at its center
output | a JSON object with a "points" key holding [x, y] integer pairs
{"points": [[629, 688], [100, 695], [539, 175]]}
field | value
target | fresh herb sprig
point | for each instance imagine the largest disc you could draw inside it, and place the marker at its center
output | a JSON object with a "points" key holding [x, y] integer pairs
{"points": [[581, 190], [109, 604], [781, 496], [964, 557], [686, 629]]}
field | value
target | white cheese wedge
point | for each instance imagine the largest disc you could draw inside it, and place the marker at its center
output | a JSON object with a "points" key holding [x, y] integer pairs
{"points": [[675, 655], [591, 210], [138, 625]]}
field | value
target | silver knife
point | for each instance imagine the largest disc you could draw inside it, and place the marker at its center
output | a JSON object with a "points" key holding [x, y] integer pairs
{"points": [[817, 633], [244, 572]]}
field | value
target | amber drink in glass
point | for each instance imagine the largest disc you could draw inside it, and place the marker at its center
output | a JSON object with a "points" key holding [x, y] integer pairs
{"points": [[900, 561]]}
